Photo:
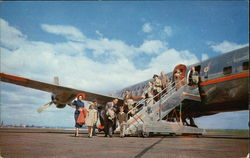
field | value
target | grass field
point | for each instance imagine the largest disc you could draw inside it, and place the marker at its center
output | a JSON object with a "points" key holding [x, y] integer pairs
{"points": [[229, 131]]}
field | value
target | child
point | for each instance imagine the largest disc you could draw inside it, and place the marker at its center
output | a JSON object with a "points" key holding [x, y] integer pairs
{"points": [[91, 119], [122, 118]]}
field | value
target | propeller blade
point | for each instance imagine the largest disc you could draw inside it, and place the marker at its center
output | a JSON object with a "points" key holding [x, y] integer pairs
{"points": [[42, 108]]}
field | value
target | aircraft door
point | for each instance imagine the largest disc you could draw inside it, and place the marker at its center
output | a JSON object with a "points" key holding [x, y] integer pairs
{"points": [[193, 76], [179, 74]]}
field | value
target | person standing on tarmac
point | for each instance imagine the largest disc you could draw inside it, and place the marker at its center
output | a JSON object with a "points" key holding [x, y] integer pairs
{"points": [[122, 118], [91, 119], [95, 105], [79, 105], [110, 121]]}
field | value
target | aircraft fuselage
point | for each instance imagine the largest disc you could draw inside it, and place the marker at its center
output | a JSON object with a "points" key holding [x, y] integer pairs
{"points": [[223, 84]]}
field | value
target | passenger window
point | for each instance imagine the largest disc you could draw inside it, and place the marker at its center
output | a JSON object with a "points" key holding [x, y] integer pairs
{"points": [[245, 65], [227, 70]]}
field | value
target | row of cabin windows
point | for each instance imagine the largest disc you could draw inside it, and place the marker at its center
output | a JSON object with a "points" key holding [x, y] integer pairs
{"points": [[228, 69], [136, 92]]}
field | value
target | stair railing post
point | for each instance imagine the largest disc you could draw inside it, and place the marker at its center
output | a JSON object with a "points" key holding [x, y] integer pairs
{"points": [[180, 113], [160, 108]]}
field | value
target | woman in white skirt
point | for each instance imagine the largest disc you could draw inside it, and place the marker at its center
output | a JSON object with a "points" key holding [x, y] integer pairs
{"points": [[91, 119]]}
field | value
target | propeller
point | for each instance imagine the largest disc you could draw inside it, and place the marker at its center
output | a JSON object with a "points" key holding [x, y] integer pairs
{"points": [[40, 109]]}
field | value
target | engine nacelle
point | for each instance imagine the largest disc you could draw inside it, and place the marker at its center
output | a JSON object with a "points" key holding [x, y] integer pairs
{"points": [[56, 101], [60, 106]]}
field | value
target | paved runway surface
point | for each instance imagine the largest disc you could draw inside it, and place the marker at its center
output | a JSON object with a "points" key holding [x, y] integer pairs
{"points": [[26, 144]]}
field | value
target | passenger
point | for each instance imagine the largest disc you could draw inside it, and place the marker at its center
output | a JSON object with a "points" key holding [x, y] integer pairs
{"points": [[195, 76], [157, 87], [128, 102], [96, 107], [91, 119], [149, 94], [79, 104], [122, 118], [110, 121], [177, 79], [103, 118], [164, 82]]}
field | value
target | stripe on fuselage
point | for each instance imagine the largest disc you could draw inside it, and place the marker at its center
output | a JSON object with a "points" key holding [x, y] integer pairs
{"points": [[226, 78]]}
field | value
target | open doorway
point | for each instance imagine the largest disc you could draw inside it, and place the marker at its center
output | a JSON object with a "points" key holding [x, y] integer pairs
{"points": [[179, 75], [193, 76]]}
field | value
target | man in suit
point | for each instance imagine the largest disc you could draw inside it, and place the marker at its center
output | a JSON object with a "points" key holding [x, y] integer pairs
{"points": [[128, 102], [157, 87], [110, 118]]}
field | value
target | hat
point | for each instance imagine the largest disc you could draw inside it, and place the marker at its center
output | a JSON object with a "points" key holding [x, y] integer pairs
{"points": [[82, 95], [155, 76]]}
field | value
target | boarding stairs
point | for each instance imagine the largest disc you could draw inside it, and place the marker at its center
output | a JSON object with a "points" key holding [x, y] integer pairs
{"points": [[148, 119]]}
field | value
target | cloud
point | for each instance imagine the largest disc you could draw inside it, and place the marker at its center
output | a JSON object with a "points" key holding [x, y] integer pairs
{"points": [[99, 61], [204, 56], [168, 30], [99, 33], [96, 65], [156, 31], [111, 48], [11, 37], [170, 58], [225, 46], [147, 27], [153, 46], [69, 32]]}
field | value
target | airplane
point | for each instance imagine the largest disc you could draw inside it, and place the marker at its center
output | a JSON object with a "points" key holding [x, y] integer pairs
{"points": [[223, 86]]}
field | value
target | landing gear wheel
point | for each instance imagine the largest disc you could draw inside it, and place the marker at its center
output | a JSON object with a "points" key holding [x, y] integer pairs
{"points": [[146, 134], [172, 134], [199, 135]]}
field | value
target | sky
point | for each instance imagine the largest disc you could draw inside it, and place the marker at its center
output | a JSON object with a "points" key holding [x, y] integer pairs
{"points": [[103, 46]]}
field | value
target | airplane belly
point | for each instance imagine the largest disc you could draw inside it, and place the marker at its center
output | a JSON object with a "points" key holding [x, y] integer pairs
{"points": [[226, 96]]}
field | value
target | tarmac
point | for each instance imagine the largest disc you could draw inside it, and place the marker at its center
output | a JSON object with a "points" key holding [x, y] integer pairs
{"points": [[50, 143]]}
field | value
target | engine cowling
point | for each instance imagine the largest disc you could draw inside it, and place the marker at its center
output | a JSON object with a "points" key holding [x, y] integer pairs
{"points": [[56, 101], [60, 106]]}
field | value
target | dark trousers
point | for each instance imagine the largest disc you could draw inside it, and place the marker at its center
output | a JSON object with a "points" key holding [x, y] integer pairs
{"points": [[108, 128], [158, 97]]}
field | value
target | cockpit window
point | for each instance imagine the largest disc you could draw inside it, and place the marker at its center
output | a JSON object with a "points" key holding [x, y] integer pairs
{"points": [[227, 70], [245, 65]]}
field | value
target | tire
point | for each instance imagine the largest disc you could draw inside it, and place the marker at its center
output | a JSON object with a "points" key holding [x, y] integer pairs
{"points": [[146, 134], [199, 135]]}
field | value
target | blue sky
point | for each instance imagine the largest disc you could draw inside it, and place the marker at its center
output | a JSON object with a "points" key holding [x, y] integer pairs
{"points": [[104, 46]]}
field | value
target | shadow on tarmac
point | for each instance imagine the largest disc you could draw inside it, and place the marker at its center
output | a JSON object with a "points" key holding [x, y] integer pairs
{"points": [[147, 149]]}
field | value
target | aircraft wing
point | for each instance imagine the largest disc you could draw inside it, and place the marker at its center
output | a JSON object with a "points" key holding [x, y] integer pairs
{"points": [[64, 94]]}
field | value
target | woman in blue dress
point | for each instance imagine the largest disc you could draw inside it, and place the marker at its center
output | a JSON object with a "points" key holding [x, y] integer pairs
{"points": [[79, 104]]}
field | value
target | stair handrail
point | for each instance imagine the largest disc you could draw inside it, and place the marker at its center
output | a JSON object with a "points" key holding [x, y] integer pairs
{"points": [[172, 89], [167, 92], [172, 86]]}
